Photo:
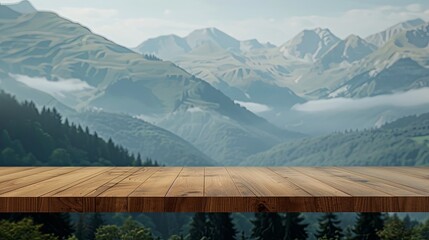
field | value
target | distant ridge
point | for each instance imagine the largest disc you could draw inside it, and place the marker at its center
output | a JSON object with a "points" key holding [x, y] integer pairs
{"points": [[23, 7]]}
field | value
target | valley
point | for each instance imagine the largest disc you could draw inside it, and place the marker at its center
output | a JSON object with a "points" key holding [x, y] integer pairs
{"points": [[208, 98]]}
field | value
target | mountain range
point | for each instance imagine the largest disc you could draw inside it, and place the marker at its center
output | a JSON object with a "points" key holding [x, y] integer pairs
{"points": [[315, 64], [380, 38], [203, 99], [314, 61], [54, 53]]}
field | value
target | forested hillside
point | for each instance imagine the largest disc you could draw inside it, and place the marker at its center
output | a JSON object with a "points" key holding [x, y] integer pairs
{"points": [[402, 142], [142, 137], [29, 137]]}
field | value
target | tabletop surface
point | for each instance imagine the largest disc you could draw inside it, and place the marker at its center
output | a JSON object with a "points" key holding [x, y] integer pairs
{"points": [[214, 189]]}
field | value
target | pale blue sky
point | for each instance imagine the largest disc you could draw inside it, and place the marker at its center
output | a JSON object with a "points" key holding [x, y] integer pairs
{"points": [[129, 22]]}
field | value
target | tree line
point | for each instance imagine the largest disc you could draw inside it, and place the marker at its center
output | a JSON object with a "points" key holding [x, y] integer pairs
{"points": [[394, 144], [214, 226], [29, 137]]}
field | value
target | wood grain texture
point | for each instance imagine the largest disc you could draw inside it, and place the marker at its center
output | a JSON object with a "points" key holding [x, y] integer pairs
{"points": [[214, 189]]}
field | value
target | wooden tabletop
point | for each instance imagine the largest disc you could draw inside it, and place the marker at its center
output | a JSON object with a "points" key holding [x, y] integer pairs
{"points": [[214, 189]]}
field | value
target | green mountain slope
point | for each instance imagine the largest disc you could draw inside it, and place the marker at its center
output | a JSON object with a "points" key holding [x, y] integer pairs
{"points": [[139, 136], [29, 137], [45, 46], [144, 138], [402, 142]]}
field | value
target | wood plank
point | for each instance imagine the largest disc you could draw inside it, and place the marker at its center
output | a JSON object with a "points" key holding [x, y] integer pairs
{"points": [[159, 183], [345, 185], [125, 187], [222, 195], [126, 173], [53, 183], [412, 171], [266, 191], [23, 173], [115, 198], [263, 182], [64, 182], [189, 183], [218, 183], [371, 183], [240, 183], [217, 189], [421, 186], [12, 170], [381, 180], [43, 190], [88, 187], [186, 191], [29, 180], [150, 195], [82, 196], [309, 184]]}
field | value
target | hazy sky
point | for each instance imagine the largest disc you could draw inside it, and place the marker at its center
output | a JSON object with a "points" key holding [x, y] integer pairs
{"points": [[129, 22]]}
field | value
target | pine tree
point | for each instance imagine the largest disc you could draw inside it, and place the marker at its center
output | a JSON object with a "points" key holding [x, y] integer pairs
{"points": [[95, 221], [80, 232], [367, 225], [396, 229], [243, 236], [294, 227], [221, 226], [329, 227], [267, 226], [23, 230], [410, 224], [198, 227], [349, 234], [130, 229], [423, 230], [32, 137], [57, 224]]}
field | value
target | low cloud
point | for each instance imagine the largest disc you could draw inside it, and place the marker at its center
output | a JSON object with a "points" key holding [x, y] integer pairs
{"points": [[56, 88], [403, 99], [254, 107]]}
